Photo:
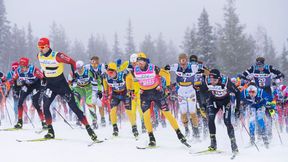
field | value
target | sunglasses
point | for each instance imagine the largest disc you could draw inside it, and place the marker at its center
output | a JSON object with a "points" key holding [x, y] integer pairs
{"points": [[141, 59], [111, 70], [252, 92], [42, 47]]}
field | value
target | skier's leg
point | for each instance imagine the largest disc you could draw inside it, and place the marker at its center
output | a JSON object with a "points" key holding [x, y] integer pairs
{"points": [[212, 111], [252, 121], [230, 129], [23, 95], [36, 103]]}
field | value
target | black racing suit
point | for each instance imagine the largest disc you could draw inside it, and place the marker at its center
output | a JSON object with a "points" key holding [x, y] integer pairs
{"points": [[219, 98]]}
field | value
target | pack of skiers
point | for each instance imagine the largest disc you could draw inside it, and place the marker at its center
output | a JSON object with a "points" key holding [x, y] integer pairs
{"points": [[139, 86]]}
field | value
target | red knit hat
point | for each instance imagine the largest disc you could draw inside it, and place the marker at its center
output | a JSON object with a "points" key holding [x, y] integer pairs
{"points": [[43, 41], [24, 61], [15, 65]]}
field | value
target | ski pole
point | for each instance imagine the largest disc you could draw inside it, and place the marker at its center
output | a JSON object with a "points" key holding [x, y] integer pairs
{"points": [[63, 118], [243, 124], [29, 119], [7, 112], [277, 129], [1, 91], [26, 115]]}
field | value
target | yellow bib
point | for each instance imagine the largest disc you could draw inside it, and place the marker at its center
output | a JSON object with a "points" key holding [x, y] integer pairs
{"points": [[50, 66]]}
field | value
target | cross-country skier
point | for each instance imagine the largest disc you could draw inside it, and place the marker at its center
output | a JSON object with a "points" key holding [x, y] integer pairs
{"points": [[263, 75], [150, 82], [115, 84], [15, 87], [257, 100], [185, 73], [98, 71], [52, 64], [30, 78], [220, 87], [82, 88]]}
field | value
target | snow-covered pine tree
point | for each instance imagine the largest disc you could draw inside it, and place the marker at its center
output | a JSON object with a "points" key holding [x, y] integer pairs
{"points": [[32, 45], [58, 38], [116, 50], [91, 47], [235, 48], [130, 45], [19, 45], [284, 62], [148, 46], [189, 44], [5, 44], [78, 51], [205, 40], [160, 57]]}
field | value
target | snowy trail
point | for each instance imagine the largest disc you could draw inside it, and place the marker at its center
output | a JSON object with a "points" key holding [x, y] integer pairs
{"points": [[75, 148]]}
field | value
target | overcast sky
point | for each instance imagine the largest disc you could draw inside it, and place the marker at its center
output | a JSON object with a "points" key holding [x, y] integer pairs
{"points": [[80, 18]]}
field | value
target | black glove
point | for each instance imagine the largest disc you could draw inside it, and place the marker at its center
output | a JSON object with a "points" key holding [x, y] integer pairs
{"points": [[237, 113], [43, 82], [167, 67], [99, 94]]}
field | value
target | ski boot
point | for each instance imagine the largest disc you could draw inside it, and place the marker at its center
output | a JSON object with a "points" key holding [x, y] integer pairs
{"points": [[115, 130], [103, 122], [44, 125], [50, 134], [91, 133], [181, 136], [135, 131], [196, 134], [152, 141], [95, 124], [234, 146], [213, 145], [19, 124], [187, 131], [78, 123], [266, 141], [252, 140]]}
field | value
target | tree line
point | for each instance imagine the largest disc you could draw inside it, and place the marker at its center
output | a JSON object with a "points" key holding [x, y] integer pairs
{"points": [[225, 46]]}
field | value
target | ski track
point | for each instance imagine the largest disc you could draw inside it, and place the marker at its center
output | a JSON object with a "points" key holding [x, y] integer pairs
{"points": [[75, 146]]}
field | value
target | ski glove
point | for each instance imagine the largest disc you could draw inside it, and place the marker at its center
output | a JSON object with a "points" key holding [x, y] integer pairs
{"points": [[99, 94], [167, 67], [237, 113], [272, 112], [43, 82]]}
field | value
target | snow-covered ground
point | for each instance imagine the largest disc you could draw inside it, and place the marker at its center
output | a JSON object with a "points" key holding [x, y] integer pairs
{"points": [[74, 146]]}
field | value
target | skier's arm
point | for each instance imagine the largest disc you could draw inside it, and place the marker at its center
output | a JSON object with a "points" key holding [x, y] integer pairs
{"points": [[203, 69], [157, 70], [61, 57], [172, 67], [166, 75], [276, 72], [129, 81], [38, 73], [105, 85], [15, 77], [232, 88], [246, 73], [244, 99]]}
